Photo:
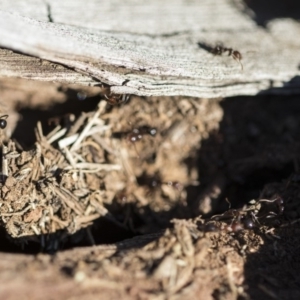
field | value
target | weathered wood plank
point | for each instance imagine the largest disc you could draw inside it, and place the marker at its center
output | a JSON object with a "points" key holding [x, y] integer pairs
{"points": [[152, 49], [14, 64], [154, 17]]}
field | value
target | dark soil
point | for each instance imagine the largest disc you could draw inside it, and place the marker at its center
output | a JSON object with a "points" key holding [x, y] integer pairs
{"points": [[203, 205]]}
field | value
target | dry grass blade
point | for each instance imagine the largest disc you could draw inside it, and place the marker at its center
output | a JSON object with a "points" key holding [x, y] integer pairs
{"points": [[49, 175]]}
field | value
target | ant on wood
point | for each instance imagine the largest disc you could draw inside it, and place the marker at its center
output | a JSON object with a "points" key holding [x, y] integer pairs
{"points": [[236, 55], [114, 99], [220, 49]]}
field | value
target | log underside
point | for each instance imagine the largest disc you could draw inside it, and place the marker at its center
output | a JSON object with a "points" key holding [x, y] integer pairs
{"points": [[150, 49]]}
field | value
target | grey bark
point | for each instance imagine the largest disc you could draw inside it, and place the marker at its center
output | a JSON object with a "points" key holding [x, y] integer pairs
{"points": [[150, 48]]}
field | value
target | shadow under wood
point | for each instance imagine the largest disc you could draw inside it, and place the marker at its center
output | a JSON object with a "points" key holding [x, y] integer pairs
{"points": [[266, 11], [29, 116], [258, 142]]}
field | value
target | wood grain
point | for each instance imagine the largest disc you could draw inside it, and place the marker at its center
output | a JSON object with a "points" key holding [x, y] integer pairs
{"points": [[153, 48]]}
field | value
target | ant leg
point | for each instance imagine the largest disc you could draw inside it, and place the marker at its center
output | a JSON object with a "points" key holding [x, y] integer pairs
{"points": [[242, 67], [237, 56]]}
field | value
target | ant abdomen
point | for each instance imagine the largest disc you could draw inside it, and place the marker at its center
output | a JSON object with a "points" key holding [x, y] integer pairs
{"points": [[3, 122], [248, 223]]}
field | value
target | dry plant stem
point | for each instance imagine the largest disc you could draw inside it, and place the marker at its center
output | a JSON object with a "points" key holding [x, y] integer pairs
{"points": [[56, 134], [104, 144], [71, 203], [70, 158], [39, 132], [4, 163], [87, 219], [19, 213], [92, 167], [89, 125], [126, 165], [70, 139], [53, 132], [78, 123]]}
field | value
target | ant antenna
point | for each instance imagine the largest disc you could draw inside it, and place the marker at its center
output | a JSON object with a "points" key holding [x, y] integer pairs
{"points": [[229, 203]]}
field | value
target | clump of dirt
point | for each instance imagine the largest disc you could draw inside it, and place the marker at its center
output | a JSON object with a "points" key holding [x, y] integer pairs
{"points": [[106, 164], [198, 197]]}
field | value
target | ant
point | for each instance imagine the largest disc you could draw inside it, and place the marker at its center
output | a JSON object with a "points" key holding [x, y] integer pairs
{"points": [[258, 213], [137, 134], [231, 221], [236, 220], [176, 185], [65, 120], [236, 55], [3, 122], [114, 99]]}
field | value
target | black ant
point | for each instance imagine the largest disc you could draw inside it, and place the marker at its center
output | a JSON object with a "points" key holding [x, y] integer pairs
{"points": [[137, 134], [258, 213], [65, 120], [235, 220], [236, 55], [3, 122], [154, 183]]}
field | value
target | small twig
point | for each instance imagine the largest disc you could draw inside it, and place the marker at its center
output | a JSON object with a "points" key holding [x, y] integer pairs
{"points": [[39, 132], [92, 167], [4, 163], [67, 141], [60, 222], [87, 219], [70, 158], [72, 204], [89, 125], [103, 144], [70, 139], [55, 136], [18, 213], [77, 125]]}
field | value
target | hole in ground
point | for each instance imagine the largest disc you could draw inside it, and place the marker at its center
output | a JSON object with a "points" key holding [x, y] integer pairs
{"points": [[29, 116]]}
